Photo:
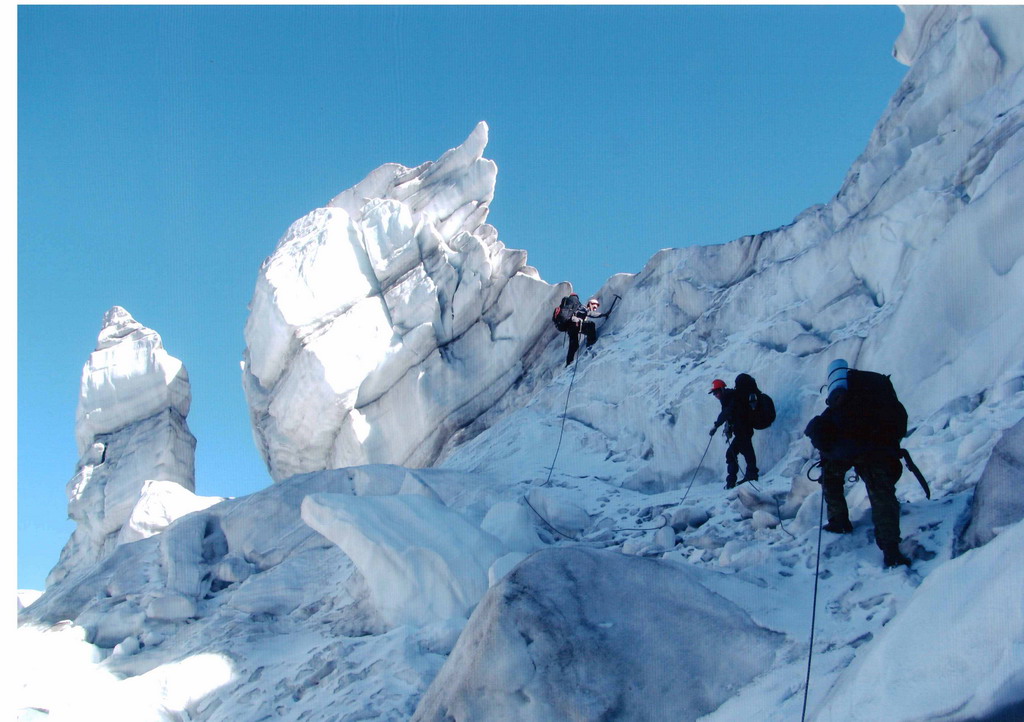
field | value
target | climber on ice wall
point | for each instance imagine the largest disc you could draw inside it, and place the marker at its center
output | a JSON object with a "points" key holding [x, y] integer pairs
{"points": [[575, 319]]}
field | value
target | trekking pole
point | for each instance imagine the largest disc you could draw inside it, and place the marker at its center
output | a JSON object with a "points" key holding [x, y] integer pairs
{"points": [[814, 609]]}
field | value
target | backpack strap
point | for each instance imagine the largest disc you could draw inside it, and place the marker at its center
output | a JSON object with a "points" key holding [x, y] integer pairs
{"points": [[905, 455]]}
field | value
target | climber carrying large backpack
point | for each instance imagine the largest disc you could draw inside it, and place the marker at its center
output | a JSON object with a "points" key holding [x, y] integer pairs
{"points": [[744, 408], [862, 427], [573, 318]]}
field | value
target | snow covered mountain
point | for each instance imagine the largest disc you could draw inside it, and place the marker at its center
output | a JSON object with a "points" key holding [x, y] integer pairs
{"points": [[567, 551]]}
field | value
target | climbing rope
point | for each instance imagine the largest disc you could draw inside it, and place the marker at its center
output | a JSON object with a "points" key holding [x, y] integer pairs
{"points": [[814, 609], [778, 508], [558, 446], [549, 524], [554, 459], [551, 468], [664, 517], [565, 411]]}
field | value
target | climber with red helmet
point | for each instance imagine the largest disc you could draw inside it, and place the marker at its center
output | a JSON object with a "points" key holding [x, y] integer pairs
{"points": [[739, 429]]}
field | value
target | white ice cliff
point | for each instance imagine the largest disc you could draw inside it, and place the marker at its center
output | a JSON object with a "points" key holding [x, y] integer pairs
{"points": [[136, 470], [389, 320], [507, 580]]}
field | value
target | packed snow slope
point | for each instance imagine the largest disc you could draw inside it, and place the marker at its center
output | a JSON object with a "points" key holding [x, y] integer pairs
{"points": [[570, 552]]}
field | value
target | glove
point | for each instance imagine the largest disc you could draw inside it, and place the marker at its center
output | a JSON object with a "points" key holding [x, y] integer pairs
{"points": [[713, 430], [728, 431]]}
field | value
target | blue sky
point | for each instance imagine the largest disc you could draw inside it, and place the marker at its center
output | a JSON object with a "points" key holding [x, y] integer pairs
{"points": [[162, 151]]}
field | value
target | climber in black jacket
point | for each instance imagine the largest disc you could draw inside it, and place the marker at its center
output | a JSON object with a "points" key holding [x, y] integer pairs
{"points": [[735, 415]]}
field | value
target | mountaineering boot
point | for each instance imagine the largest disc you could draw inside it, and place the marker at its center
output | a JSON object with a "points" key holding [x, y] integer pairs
{"points": [[730, 482], [893, 557], [749, 476], [839, 526]]}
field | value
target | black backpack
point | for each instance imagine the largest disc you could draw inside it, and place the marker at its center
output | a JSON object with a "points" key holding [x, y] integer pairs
{"points": [[565, 310], [870, 411], [762, 408], [866, 416], [762, 412]]}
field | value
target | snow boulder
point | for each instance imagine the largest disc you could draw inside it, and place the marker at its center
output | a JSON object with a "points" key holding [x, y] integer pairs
{"points": [[999, 496], [389, 320], [422, 562], [581, 634], [160, 503], [503, 566], [131, 430], [512, 524], [558, 511], [388, 479]]}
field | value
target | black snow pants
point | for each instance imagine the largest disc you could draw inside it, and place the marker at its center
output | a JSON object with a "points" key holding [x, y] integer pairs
{"points": [[742, 443], [588, 329], [880, 477]]}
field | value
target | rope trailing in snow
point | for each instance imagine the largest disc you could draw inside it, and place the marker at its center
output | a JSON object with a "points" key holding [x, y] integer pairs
{"points": [[561, 432], [778, 508], [565, 411], [549, 524], [665, 517], [554, 459], [695, 471], [814, 609], [558, 447]]}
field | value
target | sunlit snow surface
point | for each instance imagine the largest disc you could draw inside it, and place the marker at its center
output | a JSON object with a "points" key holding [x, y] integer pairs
{"points": [[655, 594]]}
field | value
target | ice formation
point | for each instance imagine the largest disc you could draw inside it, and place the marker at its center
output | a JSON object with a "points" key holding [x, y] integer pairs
{"points": [[136, 471], [391, 329], [998, 501], [389, 320], [422, 562], [588, 634]]}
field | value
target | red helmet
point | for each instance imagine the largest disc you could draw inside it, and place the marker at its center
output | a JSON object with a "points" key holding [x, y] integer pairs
{"points": [[716, 385]]}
